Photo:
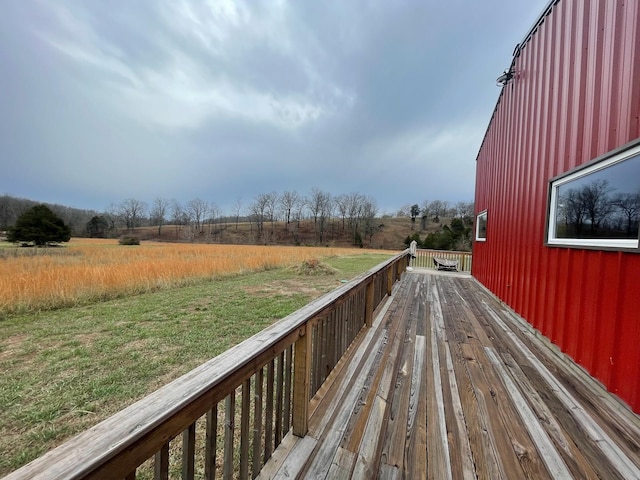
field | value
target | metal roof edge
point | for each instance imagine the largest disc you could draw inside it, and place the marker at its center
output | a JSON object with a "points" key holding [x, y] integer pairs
{"points": [[516, 53]]}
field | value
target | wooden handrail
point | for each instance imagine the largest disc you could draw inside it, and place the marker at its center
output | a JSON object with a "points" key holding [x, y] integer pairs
{"points": [[314, 337]]}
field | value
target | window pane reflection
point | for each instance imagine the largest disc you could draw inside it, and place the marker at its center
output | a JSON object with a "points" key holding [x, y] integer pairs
{"points": [[605, 204], [481, 226]]}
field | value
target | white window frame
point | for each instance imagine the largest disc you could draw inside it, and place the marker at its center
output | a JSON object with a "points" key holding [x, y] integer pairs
{"points": [[481, 215], [554, 184]]}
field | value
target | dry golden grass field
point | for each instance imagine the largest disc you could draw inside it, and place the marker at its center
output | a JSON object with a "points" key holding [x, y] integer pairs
{"points": [[87, 270]]}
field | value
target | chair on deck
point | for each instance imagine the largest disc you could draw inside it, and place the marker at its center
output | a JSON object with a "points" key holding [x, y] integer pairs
{"points": [[443, 264]]}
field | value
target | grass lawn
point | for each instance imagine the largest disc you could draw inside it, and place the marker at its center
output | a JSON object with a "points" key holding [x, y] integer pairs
{"points": [[65, 370]]}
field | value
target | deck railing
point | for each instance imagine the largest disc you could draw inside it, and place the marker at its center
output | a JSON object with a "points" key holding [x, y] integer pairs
{"points": [[226, 417], [424, 258]]}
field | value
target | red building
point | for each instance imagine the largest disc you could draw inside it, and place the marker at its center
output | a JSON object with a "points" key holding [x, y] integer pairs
{"points": [[558, 187]]}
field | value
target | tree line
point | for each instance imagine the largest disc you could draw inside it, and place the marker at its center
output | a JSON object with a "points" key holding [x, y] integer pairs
{"points": [[354, 213], [354, 216]]}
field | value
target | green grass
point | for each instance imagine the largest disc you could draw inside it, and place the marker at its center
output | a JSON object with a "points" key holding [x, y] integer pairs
{"points": [[65, 370]]}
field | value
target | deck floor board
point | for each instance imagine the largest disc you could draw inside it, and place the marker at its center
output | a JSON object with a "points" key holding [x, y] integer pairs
{"points": [[449, 383]]}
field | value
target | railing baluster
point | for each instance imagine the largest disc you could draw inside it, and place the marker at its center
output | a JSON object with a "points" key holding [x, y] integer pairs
{"points": [[244, 429], [342, 328], [268, 431], [340, 319], [331, 344], [301, 381], [288, 371], [211, 439], [161, 464], [325, 351], [229, 428], [257, 423], [354, 323], [312, 331], [337, 342], [189, 452], [317, 347], [279, 399]]}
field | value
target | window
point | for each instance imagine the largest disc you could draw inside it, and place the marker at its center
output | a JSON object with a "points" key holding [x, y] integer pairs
{"points": [[597, 205], [481, 227]]}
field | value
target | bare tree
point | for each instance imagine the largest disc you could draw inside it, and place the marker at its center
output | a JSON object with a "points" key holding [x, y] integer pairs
{"points": [[258, 211], [446, 208], [315, 202], [299, 208], [426, 208], [342, 205], [197, 210], [596, 201], [437, 209], [159, 212], [319, 205], [179, 216], [464, 209], [354, 210], [271, 207], [573, 211], [369, 217], [326, 213], [629, 205], [460, 208], [288, 201], [131, 212], [212, 215], [237, 209], [404, 211]]}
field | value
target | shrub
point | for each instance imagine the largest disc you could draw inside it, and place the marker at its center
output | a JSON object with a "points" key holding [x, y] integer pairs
{"points": [[129, 240], [411, 238]]}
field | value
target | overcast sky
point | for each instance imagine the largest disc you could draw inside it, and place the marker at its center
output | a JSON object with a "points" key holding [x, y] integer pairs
{"points": [[101, 101]]}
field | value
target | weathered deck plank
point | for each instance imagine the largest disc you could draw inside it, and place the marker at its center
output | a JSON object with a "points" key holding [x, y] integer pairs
{"points": [[449, 383]]}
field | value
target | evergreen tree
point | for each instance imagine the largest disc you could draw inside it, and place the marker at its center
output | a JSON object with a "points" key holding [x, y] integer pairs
{"points": [[98, 226], [40, 226]]}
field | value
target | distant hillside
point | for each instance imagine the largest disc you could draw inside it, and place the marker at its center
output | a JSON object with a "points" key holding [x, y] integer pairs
{"points": [[390, 235]]}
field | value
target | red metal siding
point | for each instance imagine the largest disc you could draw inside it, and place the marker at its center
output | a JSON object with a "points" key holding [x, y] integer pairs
{"points": [[575, 96]]}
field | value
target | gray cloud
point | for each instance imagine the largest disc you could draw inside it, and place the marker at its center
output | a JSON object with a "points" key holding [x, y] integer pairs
{"points": [[221, 100]]}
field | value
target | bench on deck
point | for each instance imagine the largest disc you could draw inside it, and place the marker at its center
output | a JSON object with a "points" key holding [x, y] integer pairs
{"points": [[443, 264]]}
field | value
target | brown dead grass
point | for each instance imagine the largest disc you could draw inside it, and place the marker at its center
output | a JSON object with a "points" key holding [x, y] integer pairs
{"points": [[94, 269]]}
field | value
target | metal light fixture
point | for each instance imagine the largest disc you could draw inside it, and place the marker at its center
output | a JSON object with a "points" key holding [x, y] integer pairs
{"points": [[503, 79]]}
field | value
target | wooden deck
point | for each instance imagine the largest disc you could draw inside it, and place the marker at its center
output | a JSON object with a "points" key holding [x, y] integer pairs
{"points": [[448, 384]]}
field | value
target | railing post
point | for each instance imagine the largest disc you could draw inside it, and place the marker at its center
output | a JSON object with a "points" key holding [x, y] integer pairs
{"points": [[389, 279], [368, 313], [302, 382]]}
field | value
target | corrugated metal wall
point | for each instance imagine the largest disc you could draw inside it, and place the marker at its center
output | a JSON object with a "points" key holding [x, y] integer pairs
{"points": [[574, 97]]}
